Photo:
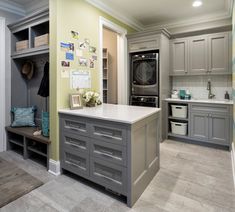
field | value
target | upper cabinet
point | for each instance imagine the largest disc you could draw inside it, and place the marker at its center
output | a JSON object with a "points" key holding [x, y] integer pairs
{"points": [[179, 55], [219, 53], [199, 55]]}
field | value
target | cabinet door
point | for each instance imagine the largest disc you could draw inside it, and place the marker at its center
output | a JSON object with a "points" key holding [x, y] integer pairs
{"points": [[179, 56], [198, 55], [219, 53], [199, 126], [219, 129]]}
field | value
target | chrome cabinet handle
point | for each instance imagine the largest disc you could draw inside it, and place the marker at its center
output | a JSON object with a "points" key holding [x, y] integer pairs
{"points": [[107, 136], [106, 154], [75, 129], [75, 145]]}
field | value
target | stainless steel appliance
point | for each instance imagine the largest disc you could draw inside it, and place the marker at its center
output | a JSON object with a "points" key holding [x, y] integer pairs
{"points": [[145, 101], [144, 73]]}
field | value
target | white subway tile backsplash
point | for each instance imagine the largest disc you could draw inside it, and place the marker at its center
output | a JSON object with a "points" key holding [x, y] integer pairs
{"points": [[197, 85]]}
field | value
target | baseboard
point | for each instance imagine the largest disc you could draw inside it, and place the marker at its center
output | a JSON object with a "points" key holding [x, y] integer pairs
{"points": [[233, 162], [54, 167]]}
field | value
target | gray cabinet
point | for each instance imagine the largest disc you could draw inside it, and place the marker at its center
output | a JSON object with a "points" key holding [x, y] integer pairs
{"points": [[199, 126], [198, 55], [121, 157], [203, 54], [211, 123], [207, 122], [219, 53], [179, 55], [219, 128]]}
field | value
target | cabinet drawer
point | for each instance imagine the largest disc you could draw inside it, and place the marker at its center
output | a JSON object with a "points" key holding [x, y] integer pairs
{"points": [[108, 133], [73, 126], [109, 152], [111, 176], [211, 108], [143, 45], [76, 142], [75, 161]]}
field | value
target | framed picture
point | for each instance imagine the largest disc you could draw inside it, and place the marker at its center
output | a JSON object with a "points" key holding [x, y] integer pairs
{"points": [[75, 101]]}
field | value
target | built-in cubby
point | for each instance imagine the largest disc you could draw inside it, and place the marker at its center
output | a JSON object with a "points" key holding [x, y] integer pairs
{"points": [[105, 75], [24, 91], [177, 120]]}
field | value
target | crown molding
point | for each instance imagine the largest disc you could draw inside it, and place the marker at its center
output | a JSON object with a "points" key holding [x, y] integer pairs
{"points": [[121, 17], [192, 21], [36, 6], [12, 8]]}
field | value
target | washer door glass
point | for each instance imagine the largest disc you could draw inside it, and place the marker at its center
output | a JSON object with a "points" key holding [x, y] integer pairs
{"points": [[144, 72]]}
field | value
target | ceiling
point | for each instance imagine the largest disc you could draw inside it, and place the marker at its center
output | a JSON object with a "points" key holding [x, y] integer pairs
{"points": [[150, 13], [23, 7]]}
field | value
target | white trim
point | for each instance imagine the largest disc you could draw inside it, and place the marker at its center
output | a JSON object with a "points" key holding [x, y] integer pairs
{"points": [[119, 16], [12, 7], [170, 24], [233, 162], [122, 61], [54, 167], [2, 86]]}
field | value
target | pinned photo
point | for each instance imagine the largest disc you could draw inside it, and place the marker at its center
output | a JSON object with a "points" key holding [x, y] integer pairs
{"points": [[91, 63], [94, 57], [75, 35], [83, 61], [64, 46], [69, 56], [71, 46], [65, 64], [92, 49], [82, 45]]}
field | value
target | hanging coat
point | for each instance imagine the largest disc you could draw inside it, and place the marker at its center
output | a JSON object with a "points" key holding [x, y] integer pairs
{"points": [[44, 86]]}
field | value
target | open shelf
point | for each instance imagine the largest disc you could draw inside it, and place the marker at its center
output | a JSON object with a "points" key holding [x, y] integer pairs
{"points": [[16, 142], [179, 119], [30, 52]]}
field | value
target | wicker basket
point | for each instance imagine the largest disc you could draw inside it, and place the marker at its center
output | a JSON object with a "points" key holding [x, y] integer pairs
{"points": [[42, 40], [22, 45]]}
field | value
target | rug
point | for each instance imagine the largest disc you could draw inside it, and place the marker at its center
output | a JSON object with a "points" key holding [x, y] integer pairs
{"points": [[14, 182]]}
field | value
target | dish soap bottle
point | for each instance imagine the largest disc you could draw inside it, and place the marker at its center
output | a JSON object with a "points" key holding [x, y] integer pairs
{"points": [[226, 95]]}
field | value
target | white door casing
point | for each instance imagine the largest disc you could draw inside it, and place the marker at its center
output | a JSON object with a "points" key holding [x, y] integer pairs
{"points": [[122, 73], [2, 85]]}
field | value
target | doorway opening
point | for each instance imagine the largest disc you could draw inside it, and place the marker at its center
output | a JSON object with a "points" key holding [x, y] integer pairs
{"points": [[113, 63], [110, 82]]}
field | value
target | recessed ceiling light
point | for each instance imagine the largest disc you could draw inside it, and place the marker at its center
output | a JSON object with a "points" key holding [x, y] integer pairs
{"points": [[197, 3]]}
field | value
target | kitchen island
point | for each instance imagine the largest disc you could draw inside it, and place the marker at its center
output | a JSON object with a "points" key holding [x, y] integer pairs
{"points": [[116, 146]]}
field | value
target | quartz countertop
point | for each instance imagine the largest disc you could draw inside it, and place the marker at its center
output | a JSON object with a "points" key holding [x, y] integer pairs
{"points": [[110, 112], [207, 101]]}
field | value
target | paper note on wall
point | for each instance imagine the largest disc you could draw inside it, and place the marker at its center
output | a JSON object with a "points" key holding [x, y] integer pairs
{"points": [[80, 79]]}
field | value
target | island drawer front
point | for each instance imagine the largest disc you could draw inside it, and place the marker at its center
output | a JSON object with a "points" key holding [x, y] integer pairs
{"points": [[211, 108], [74, 126], [111, 176], [109, 152], [110, 133], [76, 142], [75, 161]]}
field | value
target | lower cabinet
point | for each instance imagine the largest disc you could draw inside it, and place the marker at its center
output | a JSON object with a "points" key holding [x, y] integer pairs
{"points": [[210, 127], [219, 129], [199, 126]]}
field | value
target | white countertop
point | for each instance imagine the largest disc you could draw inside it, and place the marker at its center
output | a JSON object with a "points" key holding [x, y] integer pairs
{"points": [[209, 101], [118, 113]]}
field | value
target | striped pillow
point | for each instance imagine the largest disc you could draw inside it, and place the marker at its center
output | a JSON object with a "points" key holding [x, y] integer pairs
{"points": [[23, 117]]}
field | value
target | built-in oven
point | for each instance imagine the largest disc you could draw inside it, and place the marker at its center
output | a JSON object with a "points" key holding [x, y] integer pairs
{"points": [[144, 73], [145, 101]]}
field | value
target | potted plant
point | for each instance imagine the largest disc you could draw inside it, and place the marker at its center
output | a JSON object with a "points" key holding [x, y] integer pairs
{"points": [[91, 98]]}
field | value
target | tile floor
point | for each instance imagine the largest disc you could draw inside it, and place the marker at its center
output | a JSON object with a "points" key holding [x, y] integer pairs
{"points": [[191, 178]]}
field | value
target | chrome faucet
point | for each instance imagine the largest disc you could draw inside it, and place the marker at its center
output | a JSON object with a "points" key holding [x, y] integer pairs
{"points": [[210, 94]]}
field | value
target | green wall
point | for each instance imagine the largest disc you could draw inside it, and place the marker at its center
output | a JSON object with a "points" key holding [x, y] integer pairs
{"points": [[67, 15]]}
